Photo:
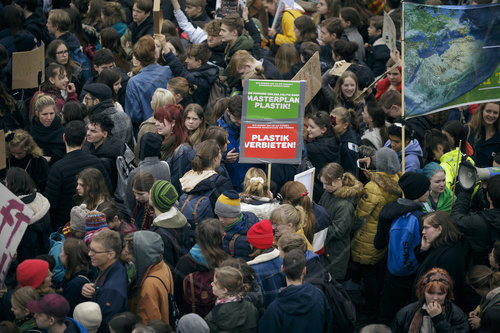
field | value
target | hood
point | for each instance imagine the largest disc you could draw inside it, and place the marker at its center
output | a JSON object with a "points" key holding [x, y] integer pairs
{"points": [[148, 250], [172, 219], [192, 179], [106, 107], [296, 300], [493, 295], [120, 27], [354, 191], [111, 147], [197, 256], [492, 218], [265, 257], [387, 182], [244, 42], [38, 204], [70, 40], [399, 208], [56, 238]]}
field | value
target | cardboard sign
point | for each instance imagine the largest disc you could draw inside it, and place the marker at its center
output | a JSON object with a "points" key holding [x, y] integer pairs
{"points": [[226, 7], [339, 68], [272, 121], [14, 219], [311, 72], [28, 68], [389, 32], [307, 179], [157, 17], [3, 155]]}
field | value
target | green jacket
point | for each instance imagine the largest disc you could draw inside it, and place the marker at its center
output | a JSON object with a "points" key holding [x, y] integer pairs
{"points": [[244, 42], [237, 317], [444, 203]]}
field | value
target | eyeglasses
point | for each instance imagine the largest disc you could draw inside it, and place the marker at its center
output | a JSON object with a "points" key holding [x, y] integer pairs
{"points": [[92, 251], [62, 52]]}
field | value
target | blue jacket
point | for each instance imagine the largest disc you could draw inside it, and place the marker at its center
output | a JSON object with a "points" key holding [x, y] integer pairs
{"points": [[111, 293], [271, 279], [72, 326], [413, 154], [140, 90], [301, 308], [241, 247], [236, 170], [56, 243]]}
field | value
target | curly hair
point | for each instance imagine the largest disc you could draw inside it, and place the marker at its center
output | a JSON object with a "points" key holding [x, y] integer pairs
{"points": [[25, 141]]}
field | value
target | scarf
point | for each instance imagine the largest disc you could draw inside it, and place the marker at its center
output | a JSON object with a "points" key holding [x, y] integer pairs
{"points": [[228, 299], [195, 252], [421, 321]]}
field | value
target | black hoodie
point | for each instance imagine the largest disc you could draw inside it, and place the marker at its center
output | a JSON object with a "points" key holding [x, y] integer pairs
{"points": [[145, 28], [36, 25]]}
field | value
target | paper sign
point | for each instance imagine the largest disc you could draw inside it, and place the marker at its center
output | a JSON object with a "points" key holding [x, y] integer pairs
{"points": [[157, 17], [310, 72], [15, 217], [28, 68], [339, 68], [307, 179], [3, 155], [389, 32], [226, 7]]}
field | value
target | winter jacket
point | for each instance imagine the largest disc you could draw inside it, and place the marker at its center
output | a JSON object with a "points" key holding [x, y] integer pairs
{"points": [[478, 228], [235, 239], [61, 184], [382, 189], [452, 320], [72, 326], [341, 208], [353, 35], [301, 308], [490, 312], [241, 316], [267, 266], [413, 155], [201, 183], [176, 244], [144, 29], [72, 288], [373, 137], [36, 25], [57, 96], [382, 86], [21, 41], [260, 206], [49, 139], [449, 163], [285, 31], [36, 237], [244, 42], [483, 149], [444, 202], [111, 293], [236, 170], [177, 163], [140, 90], [36, 167], [377, 55], [150, 302], [202, 77], [349, 151], [122, 129], [321, 230]]}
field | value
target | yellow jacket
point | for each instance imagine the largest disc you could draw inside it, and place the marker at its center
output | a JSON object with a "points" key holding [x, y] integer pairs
{"points": [[449, 164], [381, 190], [288, 35]]}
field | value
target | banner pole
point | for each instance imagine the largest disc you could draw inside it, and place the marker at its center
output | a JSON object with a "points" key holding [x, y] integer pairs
{"points": [[403, 87], [269, 176]]}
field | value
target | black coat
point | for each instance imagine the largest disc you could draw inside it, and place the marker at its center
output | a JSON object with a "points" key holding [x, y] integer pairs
{"points": [[36, 24], [146, 28], [36, 167], [61, 184], [50, 139]]}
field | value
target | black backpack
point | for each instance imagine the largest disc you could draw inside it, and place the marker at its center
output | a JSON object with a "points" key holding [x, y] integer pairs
{"points": [[343, 310]]}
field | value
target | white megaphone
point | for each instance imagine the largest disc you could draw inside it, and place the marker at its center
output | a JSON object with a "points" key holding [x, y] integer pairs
{"points": [[468, 174]]}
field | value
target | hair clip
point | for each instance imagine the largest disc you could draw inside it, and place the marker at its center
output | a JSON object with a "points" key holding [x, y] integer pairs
{"points": [[9, 137], [333, 119], [304, 194], [257, 179]]}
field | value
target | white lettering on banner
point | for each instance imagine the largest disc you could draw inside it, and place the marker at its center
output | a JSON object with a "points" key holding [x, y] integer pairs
{"points": [[272, 145]]}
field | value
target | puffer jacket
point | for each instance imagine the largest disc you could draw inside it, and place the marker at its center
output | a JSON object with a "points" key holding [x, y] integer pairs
{"points": [[341, 208], [382, 189]]}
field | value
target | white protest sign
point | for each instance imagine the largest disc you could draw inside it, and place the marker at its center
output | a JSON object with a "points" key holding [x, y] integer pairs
{"points": [[307, 179], [389, 32], [15, 217]]}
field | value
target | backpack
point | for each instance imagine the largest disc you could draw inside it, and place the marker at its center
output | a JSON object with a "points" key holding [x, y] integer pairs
{"points": [[124, 165], [174, 315], [404, 236], [219, 90], [171, 238], [342, 309], [197, 293], [80, 57]]}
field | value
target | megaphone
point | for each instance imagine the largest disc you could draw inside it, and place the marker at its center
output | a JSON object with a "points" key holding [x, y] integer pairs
{"points": [[468, 174]]}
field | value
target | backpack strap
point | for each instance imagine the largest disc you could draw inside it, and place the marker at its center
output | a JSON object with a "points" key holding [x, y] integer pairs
{"points": [[185, 202], [193, 299], [195, 210], [84, 277], [231, 243], [163, 283]]}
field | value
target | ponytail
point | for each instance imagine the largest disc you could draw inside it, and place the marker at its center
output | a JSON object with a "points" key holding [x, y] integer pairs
{"points": [[483, 277]]}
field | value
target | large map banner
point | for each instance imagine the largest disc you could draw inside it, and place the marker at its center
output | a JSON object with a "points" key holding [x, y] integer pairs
{"points": [[451, 57]]}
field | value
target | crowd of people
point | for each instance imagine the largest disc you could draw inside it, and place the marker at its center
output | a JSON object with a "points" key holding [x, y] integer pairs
{"points": [[145, 220]]}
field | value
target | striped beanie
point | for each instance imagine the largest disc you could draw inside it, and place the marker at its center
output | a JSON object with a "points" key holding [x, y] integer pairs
{"points": [[94, 221], [163, 195], [228, 204]]}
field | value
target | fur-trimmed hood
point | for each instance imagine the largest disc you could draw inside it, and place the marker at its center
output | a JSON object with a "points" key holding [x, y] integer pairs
{"points": [[387, 182], [265, 257], [354, 191], [38, 204]]}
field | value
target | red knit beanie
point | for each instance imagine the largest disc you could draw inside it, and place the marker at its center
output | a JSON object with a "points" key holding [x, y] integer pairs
{"points": [[32, 272], [260, 235]]}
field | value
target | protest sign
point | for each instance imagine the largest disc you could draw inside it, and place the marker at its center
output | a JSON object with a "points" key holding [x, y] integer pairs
{"points": [[3, 155], [389, 32], [311, 73], [157, 17], [28, 68], [307, 179], [14, 217], [226, 7], [272, 121]]}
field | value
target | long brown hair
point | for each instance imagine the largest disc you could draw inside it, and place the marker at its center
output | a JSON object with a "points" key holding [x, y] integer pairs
{"points": [[209, 234], [77, 257], [96, 192], [477, 121], [295, 193], [449, 231], [51, 53], [205, 154], [286, 57]]}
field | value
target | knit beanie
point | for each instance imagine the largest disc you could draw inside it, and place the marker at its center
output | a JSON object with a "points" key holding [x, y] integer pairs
{"points": [[77, 218], [89, 315], [192, 322], [163, 195], [430, 169], [228, 204], [260, 235], [414, 185], [386, 160], [150, 145], [32, 272], [94, 221]]}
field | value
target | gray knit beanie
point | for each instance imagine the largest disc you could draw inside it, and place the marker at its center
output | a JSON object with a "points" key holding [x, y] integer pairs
{"points": [[77, 218], [386, 160], [192, 322]]}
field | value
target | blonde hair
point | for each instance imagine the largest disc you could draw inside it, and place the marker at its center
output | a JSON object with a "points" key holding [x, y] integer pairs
{"points": [[337, 90], [162, 97], [295, 193], [333, 171], [24, 140], [287, 213], [230, 278], [41, 102], [22, 296], [255, 183], [477, 121], [346, 116], [240, 59], [483, 277]]}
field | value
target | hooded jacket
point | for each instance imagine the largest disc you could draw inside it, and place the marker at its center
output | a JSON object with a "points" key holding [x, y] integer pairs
{"points": [[241, 317], [201, 183], [38, 28], [156, 281], [449, 163], [71, 41], [490, 311], [260, 206], [235, 239], [382, 189], [173, 228], [122, 128], [301, 308], [267, 266], [285, 33], [341, 208], [413, 154]]}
